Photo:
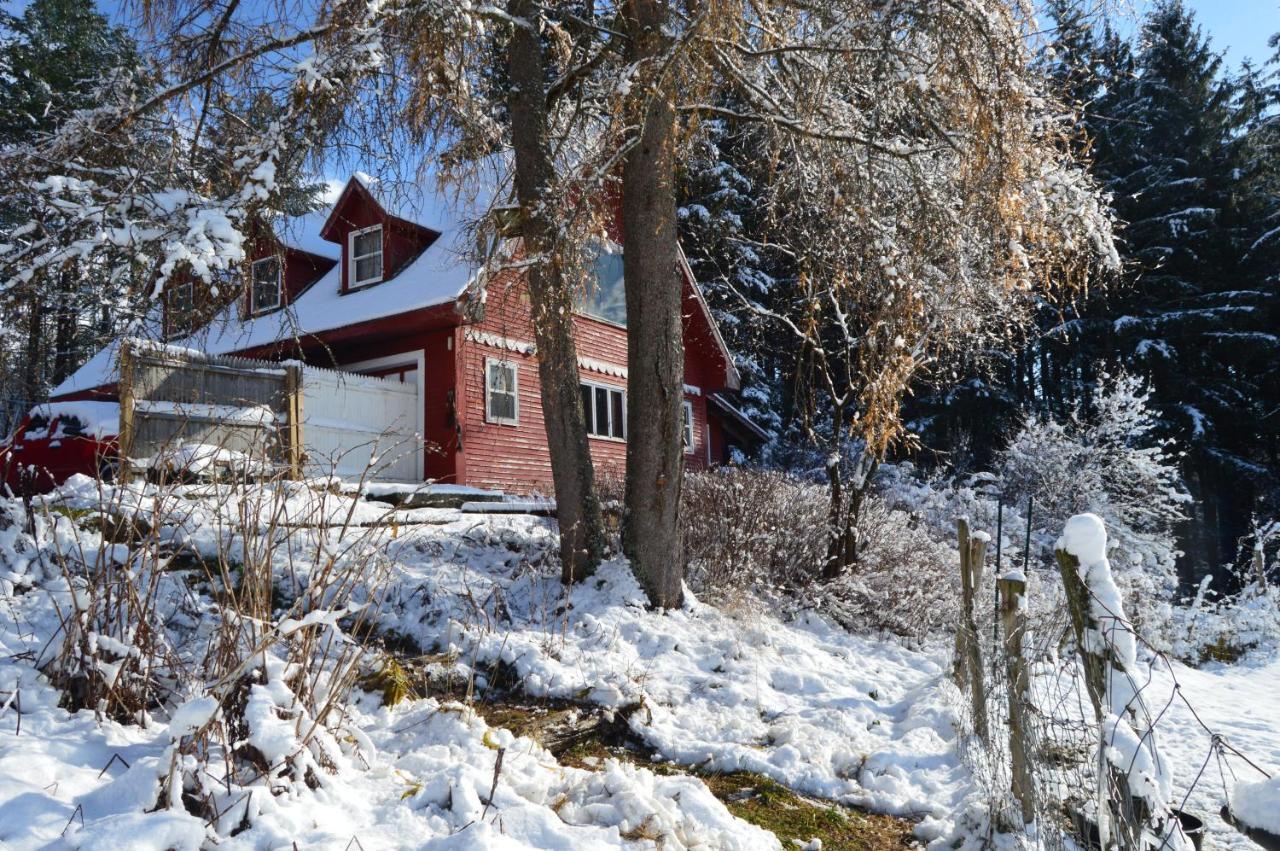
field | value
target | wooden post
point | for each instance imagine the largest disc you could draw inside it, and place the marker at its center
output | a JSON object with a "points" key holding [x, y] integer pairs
{"points": [[1122, 811], [293, 431], [124, 391], [1013, 620], [968, 668]]}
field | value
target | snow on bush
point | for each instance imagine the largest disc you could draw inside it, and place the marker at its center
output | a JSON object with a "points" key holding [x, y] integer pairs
{"points": [[1106, 462], [752, 529], [158, 602]]}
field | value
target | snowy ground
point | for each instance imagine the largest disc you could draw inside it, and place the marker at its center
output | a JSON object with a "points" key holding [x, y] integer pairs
{"points": [[1241, 702], [860, 720]]}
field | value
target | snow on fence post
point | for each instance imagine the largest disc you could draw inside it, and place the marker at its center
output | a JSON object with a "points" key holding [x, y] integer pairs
{"points": [[124, 392], [968, 664], [1013, 620], [1134, 787]]}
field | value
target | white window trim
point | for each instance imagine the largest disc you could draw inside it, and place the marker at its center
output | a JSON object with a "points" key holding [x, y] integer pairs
{"points": [[489, 364], [352, 283], [254, 309], [688, 429], [172, 331], [583, 382]]}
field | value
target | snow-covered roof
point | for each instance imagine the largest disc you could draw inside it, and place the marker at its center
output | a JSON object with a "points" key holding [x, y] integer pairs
{"points": [[437, 276], [303, 233]]}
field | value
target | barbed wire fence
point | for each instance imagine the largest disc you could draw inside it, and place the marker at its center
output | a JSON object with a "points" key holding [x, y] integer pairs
{"points": [[1058, 769]]}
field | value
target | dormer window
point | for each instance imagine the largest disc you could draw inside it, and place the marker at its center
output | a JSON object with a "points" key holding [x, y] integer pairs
{"points": [[365, 255], [264, 290]]}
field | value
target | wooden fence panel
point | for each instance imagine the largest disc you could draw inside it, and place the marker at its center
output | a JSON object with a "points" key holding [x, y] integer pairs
{"points": [[301, 419], [174, 398]]}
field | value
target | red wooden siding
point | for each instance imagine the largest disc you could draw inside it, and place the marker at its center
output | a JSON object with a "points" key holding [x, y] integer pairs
{"points": [[515, 457]]}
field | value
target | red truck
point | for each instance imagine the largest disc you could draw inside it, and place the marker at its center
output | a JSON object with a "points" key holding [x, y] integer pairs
{"points": [[59, 439]]}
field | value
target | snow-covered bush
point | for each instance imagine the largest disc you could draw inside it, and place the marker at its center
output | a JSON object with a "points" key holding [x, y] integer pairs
{"points": [[1221, 627], [906, 581], [229, 610], [1106, 462]]}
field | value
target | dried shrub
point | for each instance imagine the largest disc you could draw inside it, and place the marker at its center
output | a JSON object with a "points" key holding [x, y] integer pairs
{"points": [[752, 529], [764, 531], [905, 582], [233, 609]]}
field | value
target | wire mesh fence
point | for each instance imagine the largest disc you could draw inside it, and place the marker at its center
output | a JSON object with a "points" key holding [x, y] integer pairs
{"points": [[1065, 761]]}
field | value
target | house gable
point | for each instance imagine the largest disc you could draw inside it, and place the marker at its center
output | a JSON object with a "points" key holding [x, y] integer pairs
{"points": [[399, 240]]}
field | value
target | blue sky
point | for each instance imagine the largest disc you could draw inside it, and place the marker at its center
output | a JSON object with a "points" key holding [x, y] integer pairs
{"points": [[1240, 28]]}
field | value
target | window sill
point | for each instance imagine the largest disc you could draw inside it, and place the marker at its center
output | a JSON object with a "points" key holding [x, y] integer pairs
{"points": [[353, 288], [606, 438]]}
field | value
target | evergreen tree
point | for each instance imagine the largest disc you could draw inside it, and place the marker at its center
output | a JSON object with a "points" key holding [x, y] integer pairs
{"points": [[51, 59], [722, 235], [1185, 320], [1191, 159]]}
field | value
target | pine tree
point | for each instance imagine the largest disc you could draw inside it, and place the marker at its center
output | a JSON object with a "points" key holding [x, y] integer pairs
{"points": [[723, 238], [51, 58], [1185, 321]]}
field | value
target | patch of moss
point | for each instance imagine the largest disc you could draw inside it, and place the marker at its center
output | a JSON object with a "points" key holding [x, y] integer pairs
{"points": [[796, 819], [82, 517], [392, 680], [1224, 651]]}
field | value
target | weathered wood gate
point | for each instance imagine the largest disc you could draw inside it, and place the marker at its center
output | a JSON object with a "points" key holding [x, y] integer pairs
{"points": [[177, 405]]}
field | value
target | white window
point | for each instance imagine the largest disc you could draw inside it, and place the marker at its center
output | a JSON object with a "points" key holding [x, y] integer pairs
{"points": [[182, 308], [264, 290], [688, 426], [604, 409], [501, 386], [365, 257]]}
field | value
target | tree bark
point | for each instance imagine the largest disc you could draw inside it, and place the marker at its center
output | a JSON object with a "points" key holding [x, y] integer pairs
{"points": [[655, 342], [31, 369], [578, 511], [64, 340]]}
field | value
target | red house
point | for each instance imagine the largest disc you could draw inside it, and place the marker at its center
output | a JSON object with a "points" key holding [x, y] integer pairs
{"points": [[379, 290]]}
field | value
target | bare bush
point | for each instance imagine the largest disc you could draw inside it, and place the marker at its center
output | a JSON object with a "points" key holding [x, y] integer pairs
{"points": [[233, 610], [905, 581], [752, 529]]}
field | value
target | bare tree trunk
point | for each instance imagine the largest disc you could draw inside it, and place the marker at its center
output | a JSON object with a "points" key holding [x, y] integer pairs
{"points": [[577, 505], [34, 354], [835, 518], [655, 343], [64, 339]]}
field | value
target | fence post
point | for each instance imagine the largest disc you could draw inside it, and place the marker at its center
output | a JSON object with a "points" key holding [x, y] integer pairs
{"points": [[293, 407], [124, 392], [1013, 619], [1116, 808], [968, 665]]}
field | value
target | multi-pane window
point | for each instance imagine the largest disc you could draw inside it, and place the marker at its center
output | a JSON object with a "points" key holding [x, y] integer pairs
{"points": [[366, 256], [605, 410], [688, 426], [605, 297], [182, 308], [501, 403], [264, 290]]}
